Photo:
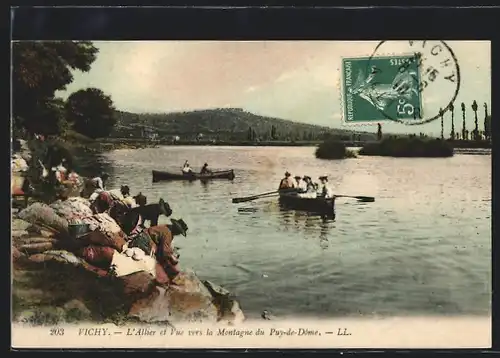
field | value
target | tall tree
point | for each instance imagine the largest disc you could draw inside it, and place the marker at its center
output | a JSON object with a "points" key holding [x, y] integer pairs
{"points": [[464, 129], [91, 112], [452, 134], [487, 123], [475, 136], [40, 68]]}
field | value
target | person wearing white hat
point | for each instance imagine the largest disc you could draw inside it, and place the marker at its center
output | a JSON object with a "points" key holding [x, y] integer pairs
{"points": [[300, 184], [325, 190], [310, 191]]}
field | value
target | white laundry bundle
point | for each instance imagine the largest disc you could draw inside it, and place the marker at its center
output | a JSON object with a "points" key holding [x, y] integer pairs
{"points": [[123, 264]]}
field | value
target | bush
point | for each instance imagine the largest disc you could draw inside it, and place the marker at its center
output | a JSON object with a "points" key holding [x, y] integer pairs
{"points": [[333, 149], [409, 147]]}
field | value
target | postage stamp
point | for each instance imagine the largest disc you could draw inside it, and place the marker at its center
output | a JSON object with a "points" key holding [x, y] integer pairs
{"points": [[204, 194], [403, 86], [377, 89]]}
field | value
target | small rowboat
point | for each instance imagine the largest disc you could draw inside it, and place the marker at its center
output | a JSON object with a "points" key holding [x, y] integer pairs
{"points": [[318, 205], [161, 175]]}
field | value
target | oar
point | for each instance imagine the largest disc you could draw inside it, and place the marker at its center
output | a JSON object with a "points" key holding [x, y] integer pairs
{"points": [[254, 197], [367, 199]]}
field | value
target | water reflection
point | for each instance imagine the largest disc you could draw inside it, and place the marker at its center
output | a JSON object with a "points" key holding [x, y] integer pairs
{"points": [[312, 226], [205, 184]]}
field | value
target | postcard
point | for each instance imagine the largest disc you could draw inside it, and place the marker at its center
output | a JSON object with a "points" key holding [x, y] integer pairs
{"points": [[251, 194]]}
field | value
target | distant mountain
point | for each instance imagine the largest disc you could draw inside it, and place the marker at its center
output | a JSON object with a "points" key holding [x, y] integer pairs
{"points": [[223, 123]]}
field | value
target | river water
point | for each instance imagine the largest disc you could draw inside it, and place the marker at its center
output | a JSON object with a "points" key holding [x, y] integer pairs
{"points": [[422, 248]]}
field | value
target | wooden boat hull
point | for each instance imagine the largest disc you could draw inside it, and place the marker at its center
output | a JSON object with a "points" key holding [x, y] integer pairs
{"points": [[162, 175], [322, 206]]}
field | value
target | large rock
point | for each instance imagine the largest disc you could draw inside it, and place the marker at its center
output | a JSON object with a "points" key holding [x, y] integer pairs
{"points": [[228, 308], [36, 248], [138, 284], [16, 254], [187, 300], [34, 240], [19, 228], [60, 256]]}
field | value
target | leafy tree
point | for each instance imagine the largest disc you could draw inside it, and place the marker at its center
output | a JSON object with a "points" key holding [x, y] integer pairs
{"points": [[47, 118], [91, 112], [39, 70]]}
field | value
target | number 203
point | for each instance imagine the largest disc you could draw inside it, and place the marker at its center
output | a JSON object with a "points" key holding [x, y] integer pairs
{"points": [[57, 332]]}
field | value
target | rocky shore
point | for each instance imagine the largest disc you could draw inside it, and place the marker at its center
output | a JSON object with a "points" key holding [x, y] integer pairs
{"points": [[51, 286], [110, 272]]}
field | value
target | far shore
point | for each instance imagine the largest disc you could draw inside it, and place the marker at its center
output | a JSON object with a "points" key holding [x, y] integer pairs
{"points": [[109, 144], [135, 143]]}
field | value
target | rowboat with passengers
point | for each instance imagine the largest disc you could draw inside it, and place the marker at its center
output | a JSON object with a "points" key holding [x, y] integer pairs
{"points": [[301, 202], [163, 175]]}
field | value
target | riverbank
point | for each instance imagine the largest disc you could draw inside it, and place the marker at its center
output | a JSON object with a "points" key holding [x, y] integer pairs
{"points": [[52, 284], [124, 142], [62, 278], [136, 143]]}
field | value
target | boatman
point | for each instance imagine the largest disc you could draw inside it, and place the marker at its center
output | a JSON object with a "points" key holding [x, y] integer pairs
{"points": [[287, 182], [325, 190], [205, 169], [186, 169]]}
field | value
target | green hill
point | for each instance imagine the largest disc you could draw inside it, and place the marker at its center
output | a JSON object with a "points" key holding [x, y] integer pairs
{"points": [[224, 124]]}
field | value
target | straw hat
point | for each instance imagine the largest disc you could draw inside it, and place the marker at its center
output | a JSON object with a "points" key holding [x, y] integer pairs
{"points": [[180, 225]]}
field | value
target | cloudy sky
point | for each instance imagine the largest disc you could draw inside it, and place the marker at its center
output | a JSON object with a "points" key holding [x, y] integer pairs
{"points": [[296, 80]]}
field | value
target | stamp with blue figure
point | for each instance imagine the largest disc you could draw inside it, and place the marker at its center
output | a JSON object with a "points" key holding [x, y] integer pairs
{"points": [[377, 89]]}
